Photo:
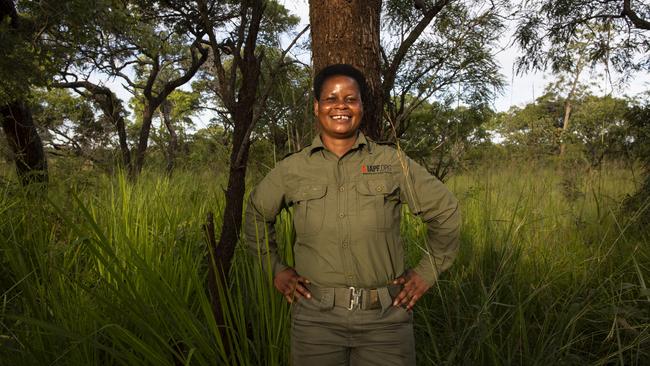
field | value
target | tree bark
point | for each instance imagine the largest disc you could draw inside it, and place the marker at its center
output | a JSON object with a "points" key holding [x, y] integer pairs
{"points": [[118, 120], [347, 31], [243, 116], [172, 148], [565, 124], [143, 141], [18, 125], [25, 143], [567, 105], [237, 92]]}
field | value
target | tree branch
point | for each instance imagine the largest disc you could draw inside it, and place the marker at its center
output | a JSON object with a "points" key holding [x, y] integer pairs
{"points": [[227, 94], [274, 72], [633, 16], [194, 67], [391, 71]]}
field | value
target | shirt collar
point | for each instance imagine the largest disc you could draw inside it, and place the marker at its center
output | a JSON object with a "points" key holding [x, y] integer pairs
{"points": [[317, 143]]}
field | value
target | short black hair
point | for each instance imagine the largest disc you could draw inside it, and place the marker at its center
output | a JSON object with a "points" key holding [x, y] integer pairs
{"points": [[344, 70]]}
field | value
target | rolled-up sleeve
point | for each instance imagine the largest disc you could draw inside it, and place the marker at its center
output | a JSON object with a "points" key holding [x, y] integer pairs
{"points": [[429, 199], [264, 204]]}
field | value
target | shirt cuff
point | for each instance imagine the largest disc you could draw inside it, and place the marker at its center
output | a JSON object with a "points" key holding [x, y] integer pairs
{"points": [[426, 269], [271, 264], [278, 267]]}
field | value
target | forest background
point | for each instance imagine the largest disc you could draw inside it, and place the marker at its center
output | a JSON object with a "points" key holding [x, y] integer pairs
{"points": [[135, 129]]}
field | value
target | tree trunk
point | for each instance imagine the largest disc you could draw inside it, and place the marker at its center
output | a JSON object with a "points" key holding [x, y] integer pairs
{"points": [[243, 117], [565, 124], [25, 143], [143, 141], [18, 125], [124, 145], [242, 108], [112, 108], [223, 252], [233, 210], [172, 148], [567, 104], [347, 31]]}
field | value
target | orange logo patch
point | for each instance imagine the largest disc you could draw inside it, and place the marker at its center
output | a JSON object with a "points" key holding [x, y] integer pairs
{"points": [[376, 169]]}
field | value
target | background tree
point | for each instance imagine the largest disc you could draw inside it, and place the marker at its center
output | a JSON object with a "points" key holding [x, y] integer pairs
{"points": [[112, 109], [71, 127], [600, 128], [568, 81], [16, 33], [445, 54], [440, 135], [175, 118], [532, 131], [235, 72], [546, 28], [143, 43], [176, 113], [287, 121]]}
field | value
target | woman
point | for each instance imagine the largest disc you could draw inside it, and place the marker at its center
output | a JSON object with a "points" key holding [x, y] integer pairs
{"points": [[352, 297]]}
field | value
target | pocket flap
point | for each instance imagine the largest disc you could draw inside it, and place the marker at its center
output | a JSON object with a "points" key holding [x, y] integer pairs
{"points": [[376, 187], [309, 192]]}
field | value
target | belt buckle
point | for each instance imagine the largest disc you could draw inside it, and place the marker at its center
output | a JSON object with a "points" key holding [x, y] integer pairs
{"points": [[355, 297]]}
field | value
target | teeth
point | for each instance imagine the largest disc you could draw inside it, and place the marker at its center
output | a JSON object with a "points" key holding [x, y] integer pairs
{"points": [[340, 117]]}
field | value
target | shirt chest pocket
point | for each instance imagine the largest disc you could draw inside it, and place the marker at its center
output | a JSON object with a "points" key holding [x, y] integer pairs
{"points": [[378, 204], [309, 208]]}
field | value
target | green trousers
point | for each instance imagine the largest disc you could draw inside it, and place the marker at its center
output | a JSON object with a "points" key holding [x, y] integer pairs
{"points": [[323, 334]]}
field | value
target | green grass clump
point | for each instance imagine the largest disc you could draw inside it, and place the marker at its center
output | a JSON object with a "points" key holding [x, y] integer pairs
{"points": [[542, 278], [99, 271]]}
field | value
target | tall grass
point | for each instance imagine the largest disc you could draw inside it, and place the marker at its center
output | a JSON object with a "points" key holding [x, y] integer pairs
{"points": [[97, 271]]}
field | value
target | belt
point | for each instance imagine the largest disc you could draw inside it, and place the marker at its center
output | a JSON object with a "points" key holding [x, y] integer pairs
{"points": [[356, 298]]}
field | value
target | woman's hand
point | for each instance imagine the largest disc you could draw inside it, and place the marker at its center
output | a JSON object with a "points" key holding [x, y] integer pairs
{"points": [[414, 287], [291, 285]]}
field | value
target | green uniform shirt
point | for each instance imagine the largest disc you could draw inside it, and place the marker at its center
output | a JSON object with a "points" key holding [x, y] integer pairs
{"points": [[346, 214]]}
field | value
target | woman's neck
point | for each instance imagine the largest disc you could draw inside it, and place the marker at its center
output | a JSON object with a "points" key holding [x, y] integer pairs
{"points": [[339, 146]]}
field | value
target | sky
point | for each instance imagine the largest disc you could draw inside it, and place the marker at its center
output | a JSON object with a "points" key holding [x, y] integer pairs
{"points": [[520, 89]]}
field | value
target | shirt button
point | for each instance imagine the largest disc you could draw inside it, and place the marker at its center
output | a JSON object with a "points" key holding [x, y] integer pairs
{"points": [[341, 215], [341, 188], [379, 189], [345, 244], [350, 278]]}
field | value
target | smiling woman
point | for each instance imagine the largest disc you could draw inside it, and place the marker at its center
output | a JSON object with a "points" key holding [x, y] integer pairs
{"points": [[351, 294], [339, 109], [339, 93]]}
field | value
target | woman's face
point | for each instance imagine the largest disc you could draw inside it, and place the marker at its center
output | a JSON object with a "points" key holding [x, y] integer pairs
{"points": [[339, 109]]}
